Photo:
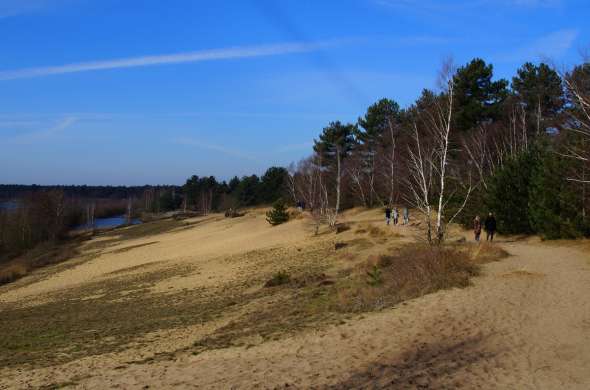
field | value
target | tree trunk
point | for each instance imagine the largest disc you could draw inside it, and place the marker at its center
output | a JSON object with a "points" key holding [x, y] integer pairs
{"points": [[338, 181]]}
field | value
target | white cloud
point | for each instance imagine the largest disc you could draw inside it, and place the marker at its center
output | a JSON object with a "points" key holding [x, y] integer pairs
{"points": [[454, 5], [550, 46], [42, 135], [197, 56], [216, 148], [18, 7], [17, 124], [294, 147]]}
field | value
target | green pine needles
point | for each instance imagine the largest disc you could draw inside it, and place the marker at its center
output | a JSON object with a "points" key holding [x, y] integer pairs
{"points": [[278, 214]]}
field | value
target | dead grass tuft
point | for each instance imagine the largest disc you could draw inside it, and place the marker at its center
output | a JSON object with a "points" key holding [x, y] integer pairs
{"points": [[278, 279], [342, 227], [42, 255], [376, 232], [12, 272], [522, 273], [415, 271], [486, 253]]}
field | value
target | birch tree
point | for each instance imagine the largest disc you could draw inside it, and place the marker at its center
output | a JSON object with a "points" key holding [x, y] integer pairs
{"points": [[577, 83], [429, 161]]}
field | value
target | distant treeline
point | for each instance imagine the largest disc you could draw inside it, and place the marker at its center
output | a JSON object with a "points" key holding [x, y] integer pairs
{"points": [[48, 213], [206, 194], [16, 191]]}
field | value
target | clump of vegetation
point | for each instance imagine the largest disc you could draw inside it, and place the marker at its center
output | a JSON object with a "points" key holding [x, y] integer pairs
{"points": [[12, 272], [375, 231], [487, 252], [374, 275], [415, 271], [278, 214], [340, 245], [342, 227], [278, 279], [46, 253], [233, 213]]}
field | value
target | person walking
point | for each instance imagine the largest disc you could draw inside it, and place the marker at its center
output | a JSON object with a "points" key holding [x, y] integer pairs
{"points": [[395, 215], [490, 226], [387, 215], [477, 227], [406, 212]]}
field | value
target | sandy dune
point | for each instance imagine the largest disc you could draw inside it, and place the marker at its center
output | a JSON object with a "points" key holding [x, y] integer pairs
{"points": [[524, 324], [209, 238]]}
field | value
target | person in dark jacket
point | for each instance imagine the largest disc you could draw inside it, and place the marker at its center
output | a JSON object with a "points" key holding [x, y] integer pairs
{"points": [[490, 226], [388, 215]]}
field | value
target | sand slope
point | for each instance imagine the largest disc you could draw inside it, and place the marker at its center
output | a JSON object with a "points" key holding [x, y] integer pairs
{"points": [[525, 324]]}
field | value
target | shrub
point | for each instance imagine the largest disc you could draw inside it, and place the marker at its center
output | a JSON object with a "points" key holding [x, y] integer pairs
{"points": [[12, 272], [278, 214], [233, 213], [278, 279], [411, 273], [374, 276], [508, 194], [554, 203]]}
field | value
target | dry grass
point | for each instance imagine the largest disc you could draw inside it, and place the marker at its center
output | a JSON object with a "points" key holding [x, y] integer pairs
{"points": [[50, 253], [312, 299], [485, 252], [413, 272], [522, 273], [42, 255], [377, 231], [12, 272]]}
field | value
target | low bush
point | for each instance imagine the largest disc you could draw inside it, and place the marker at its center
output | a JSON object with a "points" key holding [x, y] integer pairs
{"points": [[413, 272], [12, 272], [278, 279], [42, 255], [278, 214], [374, 276]]}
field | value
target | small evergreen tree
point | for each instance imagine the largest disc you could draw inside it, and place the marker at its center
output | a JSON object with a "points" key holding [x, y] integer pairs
{"points": [[278, 214], [508, 194], [553, 201]]}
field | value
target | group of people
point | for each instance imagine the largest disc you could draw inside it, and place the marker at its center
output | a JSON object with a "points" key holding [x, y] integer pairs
{"points": [[489, 225], [395, 212]]}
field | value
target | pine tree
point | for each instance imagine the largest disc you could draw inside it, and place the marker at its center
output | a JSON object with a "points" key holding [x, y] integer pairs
{"points": [[335, 144], [553, 202], [508, 194], [540, 89], [478, 98], [278, 214]]}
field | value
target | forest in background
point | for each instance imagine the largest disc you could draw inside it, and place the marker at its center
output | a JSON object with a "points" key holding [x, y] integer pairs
{"points": [[473, 145]]}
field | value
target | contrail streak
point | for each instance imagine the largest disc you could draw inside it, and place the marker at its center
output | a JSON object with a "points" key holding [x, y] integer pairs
{"points": [[196, 56]]}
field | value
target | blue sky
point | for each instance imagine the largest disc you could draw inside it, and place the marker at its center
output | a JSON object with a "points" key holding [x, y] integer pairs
{"points": [[150, 92]]}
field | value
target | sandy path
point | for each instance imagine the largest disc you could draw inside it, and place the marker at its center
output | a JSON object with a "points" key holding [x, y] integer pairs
{"points": [[524, 325]]}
